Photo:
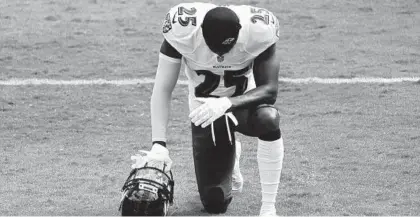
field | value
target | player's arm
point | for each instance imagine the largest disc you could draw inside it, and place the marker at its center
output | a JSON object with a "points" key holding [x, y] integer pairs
{"points": [[265, 69], [165, 81]]}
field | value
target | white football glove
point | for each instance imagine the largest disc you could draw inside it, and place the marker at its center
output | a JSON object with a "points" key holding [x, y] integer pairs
{"points": [[158, 157], [210, 110]]}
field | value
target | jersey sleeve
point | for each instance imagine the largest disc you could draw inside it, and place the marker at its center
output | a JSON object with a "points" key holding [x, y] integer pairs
{"points": [[264, 30], [181, 25]]}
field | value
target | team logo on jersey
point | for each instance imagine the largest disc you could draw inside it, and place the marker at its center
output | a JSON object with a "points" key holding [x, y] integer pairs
{"points": [[167, 26], [220, 58], [228, 41]]}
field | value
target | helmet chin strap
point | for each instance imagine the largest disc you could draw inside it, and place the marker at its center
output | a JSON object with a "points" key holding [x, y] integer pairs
{"points": [[165, 208]]}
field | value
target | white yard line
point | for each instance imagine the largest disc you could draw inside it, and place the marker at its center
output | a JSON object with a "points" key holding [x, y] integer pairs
{"points": [[312, 80]]}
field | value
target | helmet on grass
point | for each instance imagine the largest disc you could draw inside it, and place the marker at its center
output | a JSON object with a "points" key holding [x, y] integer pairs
{"points": [[148, 191]]}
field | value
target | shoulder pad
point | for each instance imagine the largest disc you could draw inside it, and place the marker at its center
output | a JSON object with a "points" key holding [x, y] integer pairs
{"points": [[263, 29], [182, 23]]}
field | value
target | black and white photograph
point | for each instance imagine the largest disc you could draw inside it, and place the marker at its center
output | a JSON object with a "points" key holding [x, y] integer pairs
{"points": [[210, 108]]}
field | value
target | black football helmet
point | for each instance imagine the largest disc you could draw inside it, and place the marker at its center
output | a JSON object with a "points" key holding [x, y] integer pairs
{"points": [[148, 191]]}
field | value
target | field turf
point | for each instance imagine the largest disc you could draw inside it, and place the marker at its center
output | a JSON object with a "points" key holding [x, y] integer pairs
{"points": [[350, 149]]}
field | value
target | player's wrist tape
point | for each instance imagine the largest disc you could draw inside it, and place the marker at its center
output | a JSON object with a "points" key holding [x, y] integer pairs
{"points": [[162, 143]]}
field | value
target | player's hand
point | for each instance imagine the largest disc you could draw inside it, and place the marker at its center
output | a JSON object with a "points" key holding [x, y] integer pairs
{"points": [[209, 111], [158, 157]]}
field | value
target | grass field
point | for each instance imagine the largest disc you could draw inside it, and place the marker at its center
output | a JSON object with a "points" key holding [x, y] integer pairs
{"points": [[350, 149]]}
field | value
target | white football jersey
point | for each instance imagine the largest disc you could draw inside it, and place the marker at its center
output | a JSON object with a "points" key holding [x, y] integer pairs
{"points": [[209, 74]]}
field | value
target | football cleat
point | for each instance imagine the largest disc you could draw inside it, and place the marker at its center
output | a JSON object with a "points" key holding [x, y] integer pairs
{"points": [[237, 178], [148, 191]]}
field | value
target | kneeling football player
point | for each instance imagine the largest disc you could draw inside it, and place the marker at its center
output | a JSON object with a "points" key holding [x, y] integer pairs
{"points": [[229, 53]]}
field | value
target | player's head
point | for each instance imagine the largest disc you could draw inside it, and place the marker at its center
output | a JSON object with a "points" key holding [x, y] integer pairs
{"points": [[221, 29]]}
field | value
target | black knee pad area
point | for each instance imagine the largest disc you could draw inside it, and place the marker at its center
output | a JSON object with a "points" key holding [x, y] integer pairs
{"points": [[264, 119], [271, 136]]}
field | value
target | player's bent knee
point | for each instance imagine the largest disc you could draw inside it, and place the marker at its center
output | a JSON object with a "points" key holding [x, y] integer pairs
{"points": [[264, 119], [215, 202]]}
